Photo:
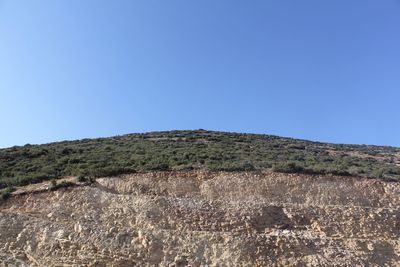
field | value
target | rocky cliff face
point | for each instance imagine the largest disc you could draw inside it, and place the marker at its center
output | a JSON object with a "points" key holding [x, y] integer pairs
{"points": [[205, 219]]}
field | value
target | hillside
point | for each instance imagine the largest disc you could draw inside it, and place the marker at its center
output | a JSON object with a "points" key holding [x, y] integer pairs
{"points": [[199, 198], [188, 150]]}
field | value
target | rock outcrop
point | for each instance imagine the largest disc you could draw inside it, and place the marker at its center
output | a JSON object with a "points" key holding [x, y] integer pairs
{"points": [[205, 219]]}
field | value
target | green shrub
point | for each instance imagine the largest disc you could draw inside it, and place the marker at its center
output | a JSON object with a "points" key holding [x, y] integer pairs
{"points": [[288, 167], [53, 184], [85, 179], [378, 173], [82, 179], [159, 167], [6, 193], [64, 184]]}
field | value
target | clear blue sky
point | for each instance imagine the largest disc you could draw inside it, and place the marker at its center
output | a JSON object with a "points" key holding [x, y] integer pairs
{"points": [[311, 69]]}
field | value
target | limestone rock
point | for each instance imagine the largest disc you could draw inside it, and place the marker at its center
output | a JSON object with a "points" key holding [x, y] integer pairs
{"points": [[203, 218]]}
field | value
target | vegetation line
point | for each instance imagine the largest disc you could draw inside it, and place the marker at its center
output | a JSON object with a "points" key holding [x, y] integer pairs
{"points": [[187, 150]]}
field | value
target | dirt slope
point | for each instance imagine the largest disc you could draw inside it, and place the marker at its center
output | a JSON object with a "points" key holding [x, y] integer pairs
{"points": [[205, 219]]}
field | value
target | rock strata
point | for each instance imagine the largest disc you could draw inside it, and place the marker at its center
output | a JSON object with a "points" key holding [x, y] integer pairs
{"points": [[205, 219]]}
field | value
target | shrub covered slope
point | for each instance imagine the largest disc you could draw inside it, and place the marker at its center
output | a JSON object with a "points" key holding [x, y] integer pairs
{"points": [[180, 150]]}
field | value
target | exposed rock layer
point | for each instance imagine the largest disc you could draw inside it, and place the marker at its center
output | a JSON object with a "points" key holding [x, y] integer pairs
{"points": [[205, 219]]}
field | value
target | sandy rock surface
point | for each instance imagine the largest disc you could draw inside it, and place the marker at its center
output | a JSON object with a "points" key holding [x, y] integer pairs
{"points": [[205, 219]]}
